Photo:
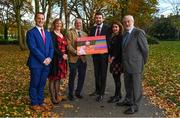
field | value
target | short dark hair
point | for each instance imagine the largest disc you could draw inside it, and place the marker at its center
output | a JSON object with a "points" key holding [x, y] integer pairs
{"points": [[38, 14], [99, 13]]}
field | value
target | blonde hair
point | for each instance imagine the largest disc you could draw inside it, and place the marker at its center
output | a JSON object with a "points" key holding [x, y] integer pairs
{"points": [[54, 22]]}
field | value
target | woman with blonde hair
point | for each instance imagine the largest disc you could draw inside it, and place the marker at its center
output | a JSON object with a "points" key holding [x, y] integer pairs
{"points": [[58, 69]]}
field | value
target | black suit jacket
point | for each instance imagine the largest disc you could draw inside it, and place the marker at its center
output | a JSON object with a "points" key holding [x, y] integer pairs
{"points": [[105, 30]]}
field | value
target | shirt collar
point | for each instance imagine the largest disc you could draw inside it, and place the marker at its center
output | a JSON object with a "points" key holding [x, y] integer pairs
{"points": [[39, 28], [100, 25], [78, 30], [131, 30]]}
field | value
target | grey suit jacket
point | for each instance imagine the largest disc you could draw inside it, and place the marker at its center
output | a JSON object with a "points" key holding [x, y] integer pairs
{"points": [[135, 53]]}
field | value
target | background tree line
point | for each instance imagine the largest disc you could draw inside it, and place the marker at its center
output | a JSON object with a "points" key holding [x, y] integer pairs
{"points": [[16, 16]]}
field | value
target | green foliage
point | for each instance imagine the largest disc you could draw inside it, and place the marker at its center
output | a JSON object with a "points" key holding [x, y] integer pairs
{"points": [[165, 28], [152, 40]]}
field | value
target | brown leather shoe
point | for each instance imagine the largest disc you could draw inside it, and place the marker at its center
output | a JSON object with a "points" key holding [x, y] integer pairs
{"points": [[37, 108], [45, 106]]}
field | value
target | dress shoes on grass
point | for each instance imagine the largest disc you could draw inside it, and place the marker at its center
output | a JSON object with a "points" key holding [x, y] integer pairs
{"points": [[37, 108]]}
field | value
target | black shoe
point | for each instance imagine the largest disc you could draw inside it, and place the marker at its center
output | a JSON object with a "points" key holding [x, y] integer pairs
{"points": [[79, 96], [93, 94], [99, 98], [131, 110], [114, 99], [123, 103], [71, 97]]}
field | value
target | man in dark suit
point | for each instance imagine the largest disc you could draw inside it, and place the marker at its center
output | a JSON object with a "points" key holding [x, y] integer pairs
{"points": [[135, 53], [100, 61], [40, 55]]}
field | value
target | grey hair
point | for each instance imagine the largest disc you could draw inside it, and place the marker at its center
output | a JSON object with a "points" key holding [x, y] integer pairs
{"points": [[129, 16], [77, 19]]}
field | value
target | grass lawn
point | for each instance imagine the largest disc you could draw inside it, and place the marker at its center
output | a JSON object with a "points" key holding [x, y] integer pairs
{"points": [[162, 74], [161, 83]]}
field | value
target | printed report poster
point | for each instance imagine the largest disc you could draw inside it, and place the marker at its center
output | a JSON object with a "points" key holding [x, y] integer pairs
{"points": [[91, 45]]}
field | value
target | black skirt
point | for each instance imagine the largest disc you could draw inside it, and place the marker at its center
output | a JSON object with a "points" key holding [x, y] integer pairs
{"points": [[116, 68]]}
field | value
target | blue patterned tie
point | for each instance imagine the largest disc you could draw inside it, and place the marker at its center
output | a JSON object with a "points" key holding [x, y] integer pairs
{"points": [[125, 39]]}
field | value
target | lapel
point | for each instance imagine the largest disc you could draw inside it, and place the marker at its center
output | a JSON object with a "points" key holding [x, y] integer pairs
{"points": [[47, 40], [129, 39], [94, 31], [39, 37], [102, 29]]}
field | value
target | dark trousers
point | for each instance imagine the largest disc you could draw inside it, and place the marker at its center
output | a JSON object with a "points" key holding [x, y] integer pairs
{"points": [[81, 68], [100, 72], [117, 81], [38, 77], [133, 87]]}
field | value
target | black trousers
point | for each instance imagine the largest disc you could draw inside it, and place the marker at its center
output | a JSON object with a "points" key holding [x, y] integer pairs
{"points": [[81, 68], [100, 71]]}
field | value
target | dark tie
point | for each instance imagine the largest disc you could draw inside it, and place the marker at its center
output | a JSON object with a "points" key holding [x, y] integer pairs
{"points": [[79, 34], [43, 36], [98, 31], [125, 38]]}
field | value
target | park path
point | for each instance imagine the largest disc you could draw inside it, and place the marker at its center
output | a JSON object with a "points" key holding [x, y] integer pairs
{"points": [[88, 107]]}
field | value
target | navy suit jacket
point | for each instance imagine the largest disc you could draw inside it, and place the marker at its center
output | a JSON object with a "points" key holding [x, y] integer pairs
{"points": [[38, 50]]}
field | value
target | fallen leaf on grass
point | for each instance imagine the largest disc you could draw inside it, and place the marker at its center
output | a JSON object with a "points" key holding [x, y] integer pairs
{"points": [[68, 106]]}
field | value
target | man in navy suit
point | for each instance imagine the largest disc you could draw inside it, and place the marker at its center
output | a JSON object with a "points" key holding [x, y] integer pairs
{"points": [[100, 61], [40, 55]]}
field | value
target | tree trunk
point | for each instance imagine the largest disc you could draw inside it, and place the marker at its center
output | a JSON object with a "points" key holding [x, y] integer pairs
{"points": [[18, 20], [6, 32], [61, 2], [43, 5], [36, 6], [66, 13], [23, 38], [48, 13]]}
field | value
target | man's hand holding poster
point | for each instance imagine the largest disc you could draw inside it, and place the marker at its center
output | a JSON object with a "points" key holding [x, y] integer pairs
{"points": [[91, 45]]}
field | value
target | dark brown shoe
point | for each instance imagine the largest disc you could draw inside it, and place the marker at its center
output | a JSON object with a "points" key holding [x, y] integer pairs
{"points": [[37, 108], [45, 106]]}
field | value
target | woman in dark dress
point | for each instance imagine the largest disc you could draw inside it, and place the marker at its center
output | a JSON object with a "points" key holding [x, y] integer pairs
{"points": [[115, 58], [59, 63]]}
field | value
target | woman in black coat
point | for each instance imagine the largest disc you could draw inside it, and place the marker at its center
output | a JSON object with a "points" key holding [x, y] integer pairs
{"points": [[115, 59]]}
